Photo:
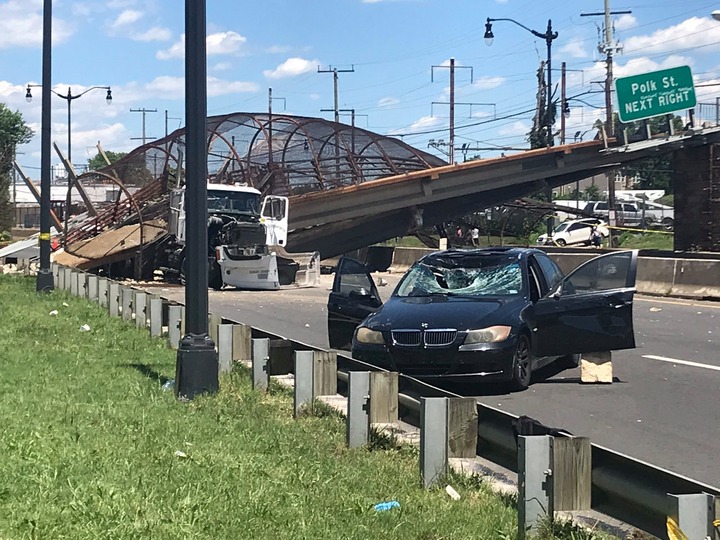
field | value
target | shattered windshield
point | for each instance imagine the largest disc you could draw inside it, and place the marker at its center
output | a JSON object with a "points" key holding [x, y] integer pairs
{"points": [[466, 275], [233, 202]]}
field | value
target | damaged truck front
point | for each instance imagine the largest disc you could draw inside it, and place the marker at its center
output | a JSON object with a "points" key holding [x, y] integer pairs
{"points": [[246, 240]]}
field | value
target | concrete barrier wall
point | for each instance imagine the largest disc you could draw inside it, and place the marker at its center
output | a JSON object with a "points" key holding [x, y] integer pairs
{"points": [[689, 278]]}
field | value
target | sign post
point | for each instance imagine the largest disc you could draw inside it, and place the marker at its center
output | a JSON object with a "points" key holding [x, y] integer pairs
{"points": [[654, 94]]}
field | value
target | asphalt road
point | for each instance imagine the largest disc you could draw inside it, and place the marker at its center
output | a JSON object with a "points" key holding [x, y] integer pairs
{"points": [[661, 409]]}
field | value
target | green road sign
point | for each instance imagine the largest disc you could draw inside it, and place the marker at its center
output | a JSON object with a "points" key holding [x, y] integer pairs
{"points": [[655, 93]]}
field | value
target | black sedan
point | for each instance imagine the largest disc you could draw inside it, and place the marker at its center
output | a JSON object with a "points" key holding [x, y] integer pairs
{"points": [[485, 314]]}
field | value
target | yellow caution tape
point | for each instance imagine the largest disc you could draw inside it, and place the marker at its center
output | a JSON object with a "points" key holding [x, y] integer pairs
{"points": [[45, 236], [636, 229], [673, 531]]}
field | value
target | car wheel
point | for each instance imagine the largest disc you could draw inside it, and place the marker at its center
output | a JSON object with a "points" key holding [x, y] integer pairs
{"points": [[570, 361], [560, 242], [668, 224], [522, 364]]}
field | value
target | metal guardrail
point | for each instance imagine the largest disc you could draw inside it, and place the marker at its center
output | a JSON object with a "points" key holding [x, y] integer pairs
{"points": [[623, 488]]}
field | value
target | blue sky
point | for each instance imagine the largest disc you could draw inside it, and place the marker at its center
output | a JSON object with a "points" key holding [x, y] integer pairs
{"points": [[135, 46]]}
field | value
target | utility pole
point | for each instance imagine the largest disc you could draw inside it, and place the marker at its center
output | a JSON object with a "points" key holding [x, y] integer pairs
{"points": [[144, 138], [335, 72], [608, 47], [169, 118], [451, 142], [336, 108], [270, 100]]}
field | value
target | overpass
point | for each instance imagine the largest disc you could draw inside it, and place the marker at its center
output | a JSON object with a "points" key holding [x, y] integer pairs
{"points": [[350, 188], [351, 217]]}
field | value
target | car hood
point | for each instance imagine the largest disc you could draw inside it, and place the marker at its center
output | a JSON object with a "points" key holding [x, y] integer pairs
{"points": [[445, 312]]}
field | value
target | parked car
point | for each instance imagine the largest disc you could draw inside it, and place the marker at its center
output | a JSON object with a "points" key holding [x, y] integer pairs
{"points": [[484, 314], [576, 231], [627, 214], [654, 214]]}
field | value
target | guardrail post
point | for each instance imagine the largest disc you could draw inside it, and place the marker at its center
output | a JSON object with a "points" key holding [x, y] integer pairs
{"points": [[113, 298], [175, 325], [358, 417], [61, 277], [82, 284], [214, 321], [225, 347], [102, 297], [324, 373], [74, 282], [572, 473], [260, 368], [462, 423], [304, 395], [596, 367], [67, 276], [383, 397], [242, 350], [693, 513], [56, 274], [433, 440], [535, 481], [156, 319], [92, 287], [140, 308], [126, 294]]}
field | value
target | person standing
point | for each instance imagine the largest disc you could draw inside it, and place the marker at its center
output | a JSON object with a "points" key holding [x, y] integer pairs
{"points": [[475, 236]]}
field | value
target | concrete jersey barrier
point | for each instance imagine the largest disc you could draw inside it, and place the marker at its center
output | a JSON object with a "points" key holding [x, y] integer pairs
{"points": [[688, 278]]}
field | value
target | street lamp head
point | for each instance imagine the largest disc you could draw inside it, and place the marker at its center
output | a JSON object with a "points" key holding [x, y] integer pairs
{"points": [[488, 33], [28, 95], [108, 98], [716, 14]]}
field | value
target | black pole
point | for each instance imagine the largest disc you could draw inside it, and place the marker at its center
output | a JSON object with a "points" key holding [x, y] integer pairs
{"points": [[550, 224], [44, 277], [69, 100], [196, 369]]}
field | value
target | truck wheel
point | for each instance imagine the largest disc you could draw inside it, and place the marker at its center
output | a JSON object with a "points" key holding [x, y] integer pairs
{"points": [[668, 224]]}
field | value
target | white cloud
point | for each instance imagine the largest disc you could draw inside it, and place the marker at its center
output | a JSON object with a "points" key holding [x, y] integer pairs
{"points": [[129, 16], [625, 22], [291, 67], [21, 25], [388, 102], [225, 43], [575, 48], [278, 49], [174, 87], [217, 43], [222, 66], [644, 65], [487, 83], [426, 122], [156, 33], [693, 32]]}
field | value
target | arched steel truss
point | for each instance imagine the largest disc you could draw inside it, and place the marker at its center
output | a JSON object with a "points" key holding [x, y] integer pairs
{"points": [[282, 154]]}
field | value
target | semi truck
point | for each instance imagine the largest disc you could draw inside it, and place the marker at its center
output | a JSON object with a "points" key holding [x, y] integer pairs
{"points": [[247, 236]]}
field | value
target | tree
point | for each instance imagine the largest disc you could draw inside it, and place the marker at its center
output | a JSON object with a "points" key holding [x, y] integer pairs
{"points": [[13, 132], [98, 162]]}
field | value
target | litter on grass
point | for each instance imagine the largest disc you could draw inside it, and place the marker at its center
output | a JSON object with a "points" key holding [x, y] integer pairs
{"points": [[385, 506]]}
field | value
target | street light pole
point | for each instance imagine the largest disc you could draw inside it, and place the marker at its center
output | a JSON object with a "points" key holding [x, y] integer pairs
{"points": [[196, 368], [549, 36], [44, 281], [69, 98]]}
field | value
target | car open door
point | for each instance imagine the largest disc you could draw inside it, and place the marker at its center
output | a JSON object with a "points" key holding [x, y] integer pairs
{"points": [[590, 310], [354, 296]]}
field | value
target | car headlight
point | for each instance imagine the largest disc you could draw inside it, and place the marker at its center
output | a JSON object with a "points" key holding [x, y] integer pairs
{"points": [[492, 334], [365, 335]]}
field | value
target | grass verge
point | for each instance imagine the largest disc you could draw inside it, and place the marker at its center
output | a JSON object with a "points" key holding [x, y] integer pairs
{"points": [[92, 447]]}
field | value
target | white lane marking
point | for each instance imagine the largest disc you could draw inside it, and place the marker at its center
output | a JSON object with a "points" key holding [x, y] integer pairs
{"points": [[683, 362]]}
